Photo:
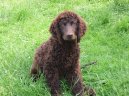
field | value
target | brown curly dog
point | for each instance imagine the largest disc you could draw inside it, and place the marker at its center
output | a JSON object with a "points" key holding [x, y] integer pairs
{"points": [[59, 56]]}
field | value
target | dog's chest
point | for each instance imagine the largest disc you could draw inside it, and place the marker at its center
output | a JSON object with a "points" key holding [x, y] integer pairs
{"points": [[67, 57]]}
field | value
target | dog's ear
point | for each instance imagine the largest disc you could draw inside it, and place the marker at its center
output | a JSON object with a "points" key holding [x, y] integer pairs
{"points": [[54, 29], [81, 28]]}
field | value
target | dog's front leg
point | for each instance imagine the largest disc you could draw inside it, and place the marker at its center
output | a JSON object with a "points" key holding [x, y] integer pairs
{"points": [[52, 78], [75, 81]]}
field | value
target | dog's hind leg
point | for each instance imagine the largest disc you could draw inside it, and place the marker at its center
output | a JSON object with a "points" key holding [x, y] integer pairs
{"points": [[34, 72]]}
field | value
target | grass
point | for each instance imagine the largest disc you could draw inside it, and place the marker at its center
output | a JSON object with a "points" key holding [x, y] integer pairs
{"points": [[24, 26]]}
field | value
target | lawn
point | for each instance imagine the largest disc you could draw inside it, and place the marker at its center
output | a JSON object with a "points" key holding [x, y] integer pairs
{"points": [[24, 25]]}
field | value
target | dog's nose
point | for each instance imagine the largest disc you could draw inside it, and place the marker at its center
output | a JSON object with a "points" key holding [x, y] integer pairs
{"points": [[70, 36]]}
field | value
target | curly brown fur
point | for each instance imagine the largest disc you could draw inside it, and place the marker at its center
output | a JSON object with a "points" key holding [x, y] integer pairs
{"points": [[59, 56]]}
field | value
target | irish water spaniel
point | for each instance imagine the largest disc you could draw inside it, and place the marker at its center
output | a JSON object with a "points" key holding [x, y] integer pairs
{"points": [[59, 56]]}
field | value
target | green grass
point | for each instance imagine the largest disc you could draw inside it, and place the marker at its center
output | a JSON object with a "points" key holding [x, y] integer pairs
{"points": [[24, 25]]}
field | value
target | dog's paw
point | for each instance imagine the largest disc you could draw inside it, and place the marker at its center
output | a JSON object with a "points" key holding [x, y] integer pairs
{"points": [[89, 91]]}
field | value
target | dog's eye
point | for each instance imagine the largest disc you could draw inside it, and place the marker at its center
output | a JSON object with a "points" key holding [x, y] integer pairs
{"points": [[71, 22], [64, 23]]}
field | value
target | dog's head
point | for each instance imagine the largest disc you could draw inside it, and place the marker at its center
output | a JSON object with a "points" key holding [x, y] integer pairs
{"points": [[68, 26]]}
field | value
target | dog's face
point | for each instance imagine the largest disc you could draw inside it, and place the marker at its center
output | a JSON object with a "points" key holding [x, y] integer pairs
{"points": [[68, 26], [68, 29]]}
